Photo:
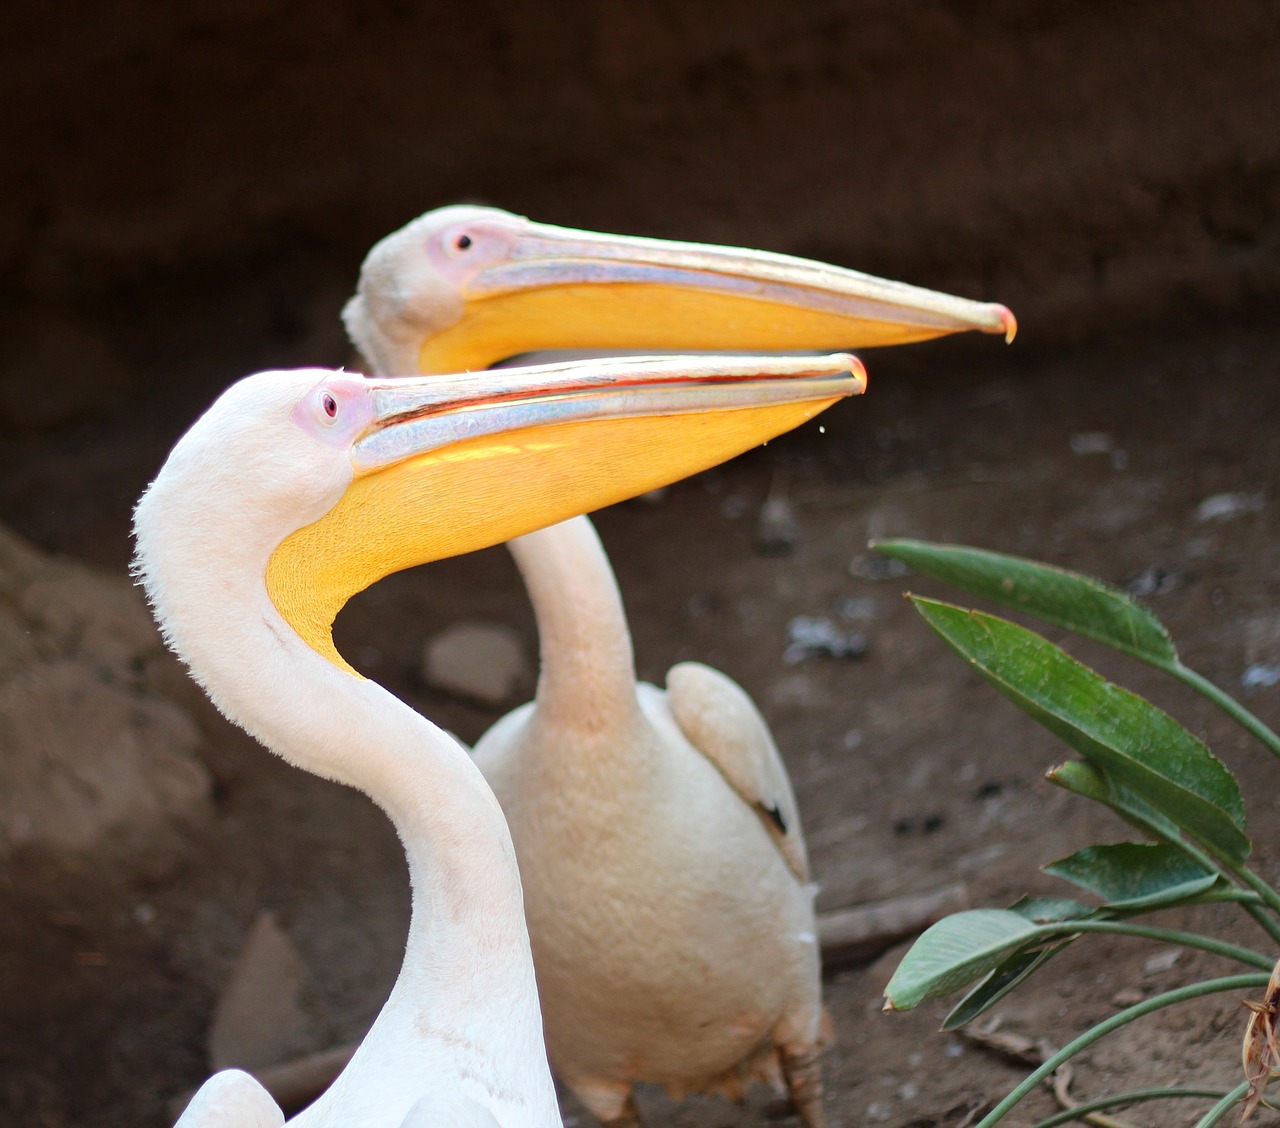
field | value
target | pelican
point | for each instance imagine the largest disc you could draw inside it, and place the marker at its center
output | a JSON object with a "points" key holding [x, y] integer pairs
{"points": [[296, 490], [666, 877]]}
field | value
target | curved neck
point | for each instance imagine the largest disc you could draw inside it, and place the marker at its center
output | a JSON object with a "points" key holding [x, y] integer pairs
{"points": [[466, 994], [587, 668]]}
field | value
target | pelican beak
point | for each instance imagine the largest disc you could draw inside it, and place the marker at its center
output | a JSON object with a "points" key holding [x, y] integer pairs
{"points": [[527, 286], [447, 465]]}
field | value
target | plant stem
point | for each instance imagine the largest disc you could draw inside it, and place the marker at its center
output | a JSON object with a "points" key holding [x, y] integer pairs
{"points": [[1250, 902], [1224, 896], [1134, 1096], [1265, 921], [1123, 1018], [1269, 896], [1224, 1106], [1168, 935], [1256, 902], [1225, 702]]}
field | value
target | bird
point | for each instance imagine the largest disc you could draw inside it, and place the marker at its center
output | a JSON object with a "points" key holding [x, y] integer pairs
{"points": [[299, 488], [667, 884]]}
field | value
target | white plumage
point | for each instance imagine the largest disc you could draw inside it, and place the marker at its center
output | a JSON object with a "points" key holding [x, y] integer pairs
{"points": [[463, 1016], [664, 863], [296, 490]]}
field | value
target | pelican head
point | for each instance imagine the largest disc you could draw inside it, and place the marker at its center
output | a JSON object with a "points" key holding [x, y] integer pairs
{"points": [[332, 480], [464, 287]]}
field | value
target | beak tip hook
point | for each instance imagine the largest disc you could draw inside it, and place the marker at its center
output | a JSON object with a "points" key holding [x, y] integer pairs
{"points": [[1009, 322], [859, 373]]}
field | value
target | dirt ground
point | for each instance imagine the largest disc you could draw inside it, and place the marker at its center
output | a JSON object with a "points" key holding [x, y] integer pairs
{"points": [[189, 190], [909, 771]]}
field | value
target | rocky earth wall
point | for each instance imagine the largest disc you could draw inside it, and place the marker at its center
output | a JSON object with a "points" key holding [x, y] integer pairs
{"points": [[94, 749], [1081, 162]]}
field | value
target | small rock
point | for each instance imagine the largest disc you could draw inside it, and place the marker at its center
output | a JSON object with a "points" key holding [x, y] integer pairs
{"points": [[809, 636], [1127, 997], [777, 529], [268, 1011], [1161, 962], [1155, 581], [1260, 676], [1224, 506], [481, 661]]}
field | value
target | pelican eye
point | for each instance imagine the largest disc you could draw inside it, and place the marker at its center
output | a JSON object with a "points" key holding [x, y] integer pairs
{"points": [[329, 405], [462, 242]]}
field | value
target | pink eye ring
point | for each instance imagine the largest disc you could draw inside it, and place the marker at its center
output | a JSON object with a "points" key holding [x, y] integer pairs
{"points": [[337, 410]]}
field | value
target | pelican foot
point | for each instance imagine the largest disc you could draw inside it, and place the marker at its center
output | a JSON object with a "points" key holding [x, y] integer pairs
{"points": [[802, 1072]]}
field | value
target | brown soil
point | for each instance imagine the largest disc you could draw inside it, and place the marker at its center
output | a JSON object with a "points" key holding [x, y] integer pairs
{"points": [[1109, 171]]}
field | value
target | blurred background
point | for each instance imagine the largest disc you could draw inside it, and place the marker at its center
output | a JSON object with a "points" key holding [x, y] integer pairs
{"points": [[186, 196], [1085, 164]]}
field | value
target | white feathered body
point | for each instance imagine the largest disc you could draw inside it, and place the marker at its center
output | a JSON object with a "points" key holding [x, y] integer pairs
{"points": [[673, 938]]}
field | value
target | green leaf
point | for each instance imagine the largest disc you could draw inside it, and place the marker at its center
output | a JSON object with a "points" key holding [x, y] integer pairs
{"points": [[1000, 982], [1079, 603], [1024, 961], [954, 952], [1141, 746], [1049, 910], [1135, 876], [1090, 782]]}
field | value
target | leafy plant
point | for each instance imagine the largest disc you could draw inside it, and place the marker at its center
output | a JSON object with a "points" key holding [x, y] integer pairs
{"points": [[1134, 759]]}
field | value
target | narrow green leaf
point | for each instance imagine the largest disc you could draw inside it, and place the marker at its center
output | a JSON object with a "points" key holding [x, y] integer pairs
{"points": [[1024, 961], [1067, 599], [1142, 746], [1000, 982], [954, 952], [1135, 876], [1084, 779]]}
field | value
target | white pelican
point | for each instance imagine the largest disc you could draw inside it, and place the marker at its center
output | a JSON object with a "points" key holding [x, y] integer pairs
{"points": [[665, 872], [298, 489], [679, 948]]}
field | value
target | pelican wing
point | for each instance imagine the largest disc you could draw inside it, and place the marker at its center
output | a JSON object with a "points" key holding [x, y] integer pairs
{"points": [[231, 1099], [720, 720]]}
